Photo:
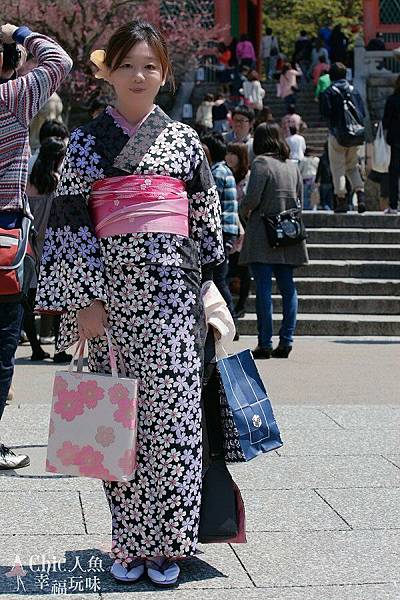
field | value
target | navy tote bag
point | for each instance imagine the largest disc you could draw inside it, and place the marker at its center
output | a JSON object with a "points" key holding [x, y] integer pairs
{"points": [[248, 422]]}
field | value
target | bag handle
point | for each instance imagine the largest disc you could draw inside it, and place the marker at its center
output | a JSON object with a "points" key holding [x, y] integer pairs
{"points": [[80, 348]]}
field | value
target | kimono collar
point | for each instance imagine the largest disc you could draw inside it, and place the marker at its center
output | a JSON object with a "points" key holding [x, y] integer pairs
{"points": [[120, 120], [138, 145]]}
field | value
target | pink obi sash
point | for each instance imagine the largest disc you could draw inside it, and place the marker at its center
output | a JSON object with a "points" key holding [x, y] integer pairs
{"points": [[139, 204]]}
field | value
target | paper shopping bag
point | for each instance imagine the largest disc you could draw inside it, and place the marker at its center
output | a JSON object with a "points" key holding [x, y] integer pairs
{"points": [[248, 422], [93, 422]]}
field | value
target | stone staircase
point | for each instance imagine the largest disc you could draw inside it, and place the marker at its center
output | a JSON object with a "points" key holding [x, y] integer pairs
{"points": [[316, 132], [352, 285]]}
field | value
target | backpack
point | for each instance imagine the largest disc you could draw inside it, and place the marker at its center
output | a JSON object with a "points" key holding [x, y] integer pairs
{"points": [[350, 131], [17, 261]]}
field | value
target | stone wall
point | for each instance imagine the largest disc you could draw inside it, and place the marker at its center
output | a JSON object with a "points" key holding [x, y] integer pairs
{"points": [[379, 87]]}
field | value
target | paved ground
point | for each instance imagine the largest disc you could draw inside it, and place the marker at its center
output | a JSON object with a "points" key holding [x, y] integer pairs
{"points": [[323, 513]]}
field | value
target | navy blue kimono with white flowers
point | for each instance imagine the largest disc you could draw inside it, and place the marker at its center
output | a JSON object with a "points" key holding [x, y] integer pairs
{"points": [[150, 284]]}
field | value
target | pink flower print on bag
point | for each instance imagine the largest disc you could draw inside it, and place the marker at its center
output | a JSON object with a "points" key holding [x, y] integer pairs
{"points": [[90, 462], [93, 422], [68, 453], [105, 436], [91, 393], [60, 385], [50, 468], [118, 393], [126, 414], [69, 405], [127, 462]]}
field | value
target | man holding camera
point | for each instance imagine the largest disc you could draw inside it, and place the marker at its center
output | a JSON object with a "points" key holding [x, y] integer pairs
{"points": [[20, 100]]}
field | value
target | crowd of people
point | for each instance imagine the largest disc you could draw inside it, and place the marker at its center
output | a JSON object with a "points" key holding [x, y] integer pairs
{"points": [[145, 277]]}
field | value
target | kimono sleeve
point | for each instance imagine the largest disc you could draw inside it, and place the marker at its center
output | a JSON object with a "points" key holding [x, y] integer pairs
{"points": [[205, 213], [71, 270]]}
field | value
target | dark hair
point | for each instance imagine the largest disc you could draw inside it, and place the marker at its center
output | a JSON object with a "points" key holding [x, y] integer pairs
{"points": [[253, 76], [97, 104], [286, 67], [264, 116], [138, 30], [216, 145], [268, 140], [43, 175], [222, 47], [244, 37], [321, 59], [53, 128], [268, 31], [208, 98], [397, 86], [240, 150], [337, 71], [293, 129], [11, 57], [303, 32], [245, 111]]}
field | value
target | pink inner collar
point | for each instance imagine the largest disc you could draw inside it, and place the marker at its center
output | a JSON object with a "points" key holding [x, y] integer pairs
{"points": [[121, 122]]}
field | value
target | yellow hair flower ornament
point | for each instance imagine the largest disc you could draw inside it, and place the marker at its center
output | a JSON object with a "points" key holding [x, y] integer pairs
{"points": [[98, 57]]}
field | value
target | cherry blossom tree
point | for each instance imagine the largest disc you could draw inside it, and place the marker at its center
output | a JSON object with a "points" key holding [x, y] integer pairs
{"points": [[81, 26]]}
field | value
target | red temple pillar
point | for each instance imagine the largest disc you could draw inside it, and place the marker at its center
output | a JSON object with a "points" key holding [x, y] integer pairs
{"points": [[223, 17], [371, 19]]}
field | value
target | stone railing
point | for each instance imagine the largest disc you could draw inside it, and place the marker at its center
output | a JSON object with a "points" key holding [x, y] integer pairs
{"points": [[380, 64], [374, 77]]}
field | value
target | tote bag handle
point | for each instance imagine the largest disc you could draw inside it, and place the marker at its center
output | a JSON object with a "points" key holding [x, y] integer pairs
{"points": [[80, 348]]}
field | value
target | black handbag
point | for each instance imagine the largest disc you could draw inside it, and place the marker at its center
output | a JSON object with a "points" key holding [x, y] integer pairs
{"points": [[218, 512], [285, 229]]}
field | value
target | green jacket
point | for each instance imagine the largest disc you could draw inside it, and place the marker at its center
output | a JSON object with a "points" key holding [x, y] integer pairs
{"points": [[323, 83]]}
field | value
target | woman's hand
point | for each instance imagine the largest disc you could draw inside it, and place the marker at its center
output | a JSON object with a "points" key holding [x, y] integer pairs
{"points": [[92, 320]]}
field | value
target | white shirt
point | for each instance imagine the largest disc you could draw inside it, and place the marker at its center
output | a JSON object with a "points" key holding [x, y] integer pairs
{"points": [[267, 43], [254, 93], [297, 145], [308, 167]]}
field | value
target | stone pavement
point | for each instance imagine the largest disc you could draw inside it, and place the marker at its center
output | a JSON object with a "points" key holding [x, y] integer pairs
{"points": [[323, 513]]}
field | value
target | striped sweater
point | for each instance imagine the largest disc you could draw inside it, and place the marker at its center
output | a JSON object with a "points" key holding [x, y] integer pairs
{"points": [[20, 100]]}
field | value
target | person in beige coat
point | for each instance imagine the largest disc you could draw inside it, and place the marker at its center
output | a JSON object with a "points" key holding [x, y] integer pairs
{"points": [[275, 185]]}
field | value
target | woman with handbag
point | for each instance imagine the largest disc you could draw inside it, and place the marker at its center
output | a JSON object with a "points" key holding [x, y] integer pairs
{"points": [[134, 230], [275, 186], [287, 88]]}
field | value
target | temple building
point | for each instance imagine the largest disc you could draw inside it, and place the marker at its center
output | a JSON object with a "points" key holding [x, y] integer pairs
{"points": [[382, 16]]}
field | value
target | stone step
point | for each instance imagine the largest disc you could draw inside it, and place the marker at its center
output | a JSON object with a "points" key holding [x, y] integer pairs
{"points": [[350, 268], [364, 252], [368, 220], [351, 305], [331, 235], [330, 286], [347, 286], [332, 325], [312, 136]]}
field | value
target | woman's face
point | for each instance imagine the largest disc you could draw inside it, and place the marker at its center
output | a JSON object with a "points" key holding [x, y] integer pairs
{"points": [[232, 161], [139, 76]]}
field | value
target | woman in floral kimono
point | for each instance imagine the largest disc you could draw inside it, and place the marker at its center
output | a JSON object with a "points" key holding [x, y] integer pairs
{"points": [[133, 232]]}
